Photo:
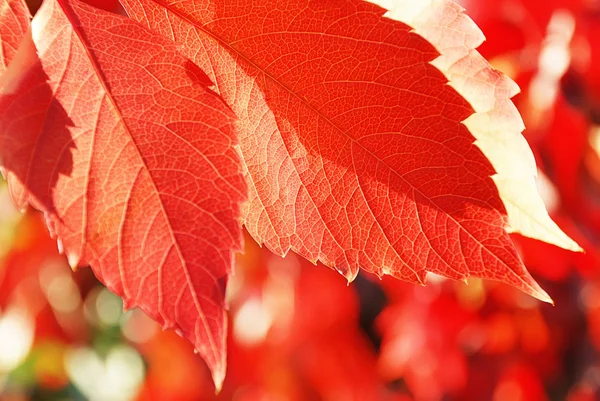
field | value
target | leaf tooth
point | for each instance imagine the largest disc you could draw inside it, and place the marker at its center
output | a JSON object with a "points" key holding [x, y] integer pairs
{"points": [[349, 273], [128, 304], [385, 270], [312, 259], [421, 277], [51, 226], [262, 243], [170, 325]]}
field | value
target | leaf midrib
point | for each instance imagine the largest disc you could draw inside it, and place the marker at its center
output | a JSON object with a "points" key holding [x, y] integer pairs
{"points": [[102, 79]]}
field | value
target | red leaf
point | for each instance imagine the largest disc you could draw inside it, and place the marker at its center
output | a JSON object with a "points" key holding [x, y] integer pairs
{"points": [[117, 138], [14, 22], [354, 143]]}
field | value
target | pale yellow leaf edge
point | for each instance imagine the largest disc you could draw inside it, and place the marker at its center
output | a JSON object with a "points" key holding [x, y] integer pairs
{"points": [[496, 124]]}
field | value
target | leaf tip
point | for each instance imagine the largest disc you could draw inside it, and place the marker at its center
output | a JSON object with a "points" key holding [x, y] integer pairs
{"points": [[562, 240], [542, 295], [73, 260], [218, 376], [169, 325], [575, 247]]}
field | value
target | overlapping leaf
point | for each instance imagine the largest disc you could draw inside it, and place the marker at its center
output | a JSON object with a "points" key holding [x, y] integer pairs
{"points": [[354, 143], [14, 22], [117, 138], [14, 34]]}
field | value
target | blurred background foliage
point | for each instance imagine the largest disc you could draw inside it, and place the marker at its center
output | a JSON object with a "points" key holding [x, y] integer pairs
{"points": [[299, 332]]}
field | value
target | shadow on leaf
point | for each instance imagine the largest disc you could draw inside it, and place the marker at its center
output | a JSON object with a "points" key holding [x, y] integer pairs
{"points": [[35, 143]]}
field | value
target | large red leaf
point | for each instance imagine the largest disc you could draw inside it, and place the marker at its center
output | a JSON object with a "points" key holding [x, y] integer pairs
{"points": [[117, 138], [354, 143], [14, 22]]}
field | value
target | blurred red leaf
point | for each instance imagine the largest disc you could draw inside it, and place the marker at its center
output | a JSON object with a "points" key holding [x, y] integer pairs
{"points": [[520, 382], [174, 371], [21, 284], [421, 339]]}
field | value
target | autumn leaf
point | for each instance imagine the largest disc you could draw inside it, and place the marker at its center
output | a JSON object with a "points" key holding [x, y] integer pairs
{"points": [[118, 140], [356, 149]]}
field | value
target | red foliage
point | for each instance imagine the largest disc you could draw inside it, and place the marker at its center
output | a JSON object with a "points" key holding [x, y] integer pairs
{"points": [[146, 133]]}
